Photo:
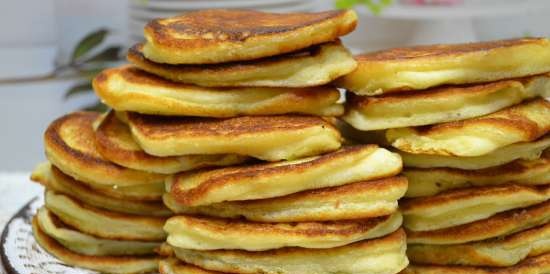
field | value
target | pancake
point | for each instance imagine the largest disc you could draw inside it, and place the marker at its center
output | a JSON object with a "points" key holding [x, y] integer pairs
{"points": [[498, 225], [441, 104], [359, 200], [267, 180], [533, 265], [431, 181], [114, 142], [70, 146], [127, 88], [460, 206], [269, 138], [477, 136], [314, 66], [206, 233], [422, 67], [104, 224], [107, 264], [223, 35], [501, 156], [506, 251], [52, 178], [175, 266], [382, 255]]}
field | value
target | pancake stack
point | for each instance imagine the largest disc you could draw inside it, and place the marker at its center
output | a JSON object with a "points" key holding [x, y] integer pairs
{"points": [[473, 129]]}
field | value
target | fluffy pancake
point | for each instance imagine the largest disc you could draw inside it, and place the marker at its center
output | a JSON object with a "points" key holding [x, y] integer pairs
{"points": [[104, 224], [70, 145], [421, 67], [175, 266], [525, 122], [127, 88], [359, 200], [442, 104], [314, 66], [501, 156], [431, 181], [114, 142], [382, 255], [460, 206], [206, 233], [505, 251], [498, 225], [269, 138], [217, 36], [267, 180]]}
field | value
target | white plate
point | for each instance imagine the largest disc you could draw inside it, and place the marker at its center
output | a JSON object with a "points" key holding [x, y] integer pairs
{"points": [[170, 5]]}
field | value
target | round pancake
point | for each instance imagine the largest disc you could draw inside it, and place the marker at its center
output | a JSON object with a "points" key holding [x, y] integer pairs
{"points": [[207, 233], [128, 88], [382, 255], [525, 122], [498, 225], [223, 35], [70, 145], [107, 264], [354, 201], [431, 181], [314, 66], [441, 104], [114, 142], [460, 206], [104, 224], [175, 266], [421, 67], [506, 251], [270, 138], [267, 180], [525, 151]]}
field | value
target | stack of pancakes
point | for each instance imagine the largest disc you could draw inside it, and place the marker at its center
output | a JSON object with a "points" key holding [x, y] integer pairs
{"points": [[473, 129]]}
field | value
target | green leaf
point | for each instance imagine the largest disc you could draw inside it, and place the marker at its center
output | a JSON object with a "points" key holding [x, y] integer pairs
{"points": [[109, 54], [346, 4], [87, 43], [97, 106], [90, 73], [79, 88]]}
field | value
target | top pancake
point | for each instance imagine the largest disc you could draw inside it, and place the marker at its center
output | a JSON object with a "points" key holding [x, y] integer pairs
{"points": [[217, 36], [421, 67]]}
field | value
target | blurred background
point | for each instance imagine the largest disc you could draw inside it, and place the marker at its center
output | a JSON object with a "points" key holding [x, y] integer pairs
{"points": [[50, 49]]}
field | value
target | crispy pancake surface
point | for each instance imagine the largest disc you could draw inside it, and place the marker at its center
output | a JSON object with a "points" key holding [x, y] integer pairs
{"points": [[269, 138], [267, 180], [442, 104], [460, 206], [421, 67], [128, 88], [222, 35], [353, 201], [477, 136], [207, 233], [384, 255], [314, 66]]}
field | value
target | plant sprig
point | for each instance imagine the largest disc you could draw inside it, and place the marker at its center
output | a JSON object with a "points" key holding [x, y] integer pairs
{"points": [[375, 6]]}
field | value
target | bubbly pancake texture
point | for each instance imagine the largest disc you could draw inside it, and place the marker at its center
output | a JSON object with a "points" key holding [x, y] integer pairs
{"points": [[269, 138], [314, 66], [422, 67], [222, 35], [353, 201], [477, 136], [128, 88], [442, 104]]}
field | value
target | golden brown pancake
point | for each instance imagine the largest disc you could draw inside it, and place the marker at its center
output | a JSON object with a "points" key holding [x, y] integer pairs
{"points": [[175, 266], [354, 201], [268, 180], [128, 88], [525, 122], [460, 206], [314, 66], [498, 225], [269, 138], [114, 141], [441, 104], [421, 67], [108, 264], [223, 35]]}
